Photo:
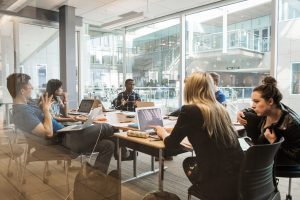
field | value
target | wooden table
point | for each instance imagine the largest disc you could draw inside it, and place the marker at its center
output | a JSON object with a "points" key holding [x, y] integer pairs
{"points": [[147, 146]]}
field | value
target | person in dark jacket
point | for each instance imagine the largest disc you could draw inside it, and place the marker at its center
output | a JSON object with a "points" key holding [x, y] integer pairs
{"points": [[268, 120], [207, 125]]}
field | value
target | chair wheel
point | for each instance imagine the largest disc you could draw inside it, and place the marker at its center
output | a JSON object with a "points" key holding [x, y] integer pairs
{"points": [[9, 174], [288, 197]]}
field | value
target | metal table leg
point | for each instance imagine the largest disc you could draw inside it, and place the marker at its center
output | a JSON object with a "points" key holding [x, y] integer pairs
{"points": [[119, 159], [134, 163], [160, 172]]}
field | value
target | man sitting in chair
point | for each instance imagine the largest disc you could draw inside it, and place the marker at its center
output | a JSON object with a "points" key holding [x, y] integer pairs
{"points": [[126, 100], [38, 121]]}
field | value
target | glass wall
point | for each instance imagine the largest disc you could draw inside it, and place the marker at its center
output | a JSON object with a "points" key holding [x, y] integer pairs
{"points": [[6, 65], [233, 41], [38, 54], [288, 52], [101, 68], [152, 55]]}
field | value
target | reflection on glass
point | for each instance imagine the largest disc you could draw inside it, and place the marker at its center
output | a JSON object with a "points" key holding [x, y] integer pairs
{"points": [[244, 60], [153, 61], [102, 72], [39, 55]]}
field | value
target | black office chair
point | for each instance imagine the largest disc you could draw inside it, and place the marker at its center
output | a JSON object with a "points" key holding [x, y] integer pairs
{"points": [[288, 171], [257, 181]]}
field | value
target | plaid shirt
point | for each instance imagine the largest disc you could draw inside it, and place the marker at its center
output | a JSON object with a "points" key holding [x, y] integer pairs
{"points": [[130, 98]]}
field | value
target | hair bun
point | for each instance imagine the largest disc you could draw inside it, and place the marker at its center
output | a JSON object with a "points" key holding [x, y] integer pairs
{"points": [[269, 80]]}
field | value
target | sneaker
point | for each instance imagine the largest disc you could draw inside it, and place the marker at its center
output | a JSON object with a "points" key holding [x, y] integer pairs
{"points": [[130, 156]]}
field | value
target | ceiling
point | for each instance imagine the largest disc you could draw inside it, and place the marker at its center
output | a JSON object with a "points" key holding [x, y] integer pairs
{"points": [[104, 11]]}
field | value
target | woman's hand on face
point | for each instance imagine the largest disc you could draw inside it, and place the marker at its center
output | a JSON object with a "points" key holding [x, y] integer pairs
{"points": [[240, 118], [270, 135], [64, 97]]}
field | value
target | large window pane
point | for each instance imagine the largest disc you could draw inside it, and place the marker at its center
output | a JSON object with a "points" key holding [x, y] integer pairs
{"points": [[102, 71], [153, 61], [289, 9], [289, 53], [39, 54], [233, 41]]}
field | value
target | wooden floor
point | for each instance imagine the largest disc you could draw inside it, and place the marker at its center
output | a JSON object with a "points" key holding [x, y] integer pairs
{"points": [[33, 187]]}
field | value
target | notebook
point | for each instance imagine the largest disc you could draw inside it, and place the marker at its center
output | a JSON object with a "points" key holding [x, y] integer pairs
{"points": [[86, 124], [141, 104], [147, 117], [84, 107]]}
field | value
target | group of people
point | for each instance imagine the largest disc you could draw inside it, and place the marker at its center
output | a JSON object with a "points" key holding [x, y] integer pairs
{"points": [[203, 119]]}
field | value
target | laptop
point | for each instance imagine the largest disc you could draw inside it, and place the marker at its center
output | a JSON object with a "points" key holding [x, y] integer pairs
{"points": [[147, 117], [84, 107], [86, 124]]}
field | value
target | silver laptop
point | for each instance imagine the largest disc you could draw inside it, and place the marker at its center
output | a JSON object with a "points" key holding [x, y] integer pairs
{"points": [[147, 117], [86, 124], [84, 107]]}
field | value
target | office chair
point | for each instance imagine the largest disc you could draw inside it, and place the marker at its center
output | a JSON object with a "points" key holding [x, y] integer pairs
{"points": [[256, 179], [40, 149], [288, 171]]}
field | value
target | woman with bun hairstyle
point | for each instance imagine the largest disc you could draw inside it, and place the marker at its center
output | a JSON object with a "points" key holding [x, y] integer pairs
{"points": [[268, 120]]}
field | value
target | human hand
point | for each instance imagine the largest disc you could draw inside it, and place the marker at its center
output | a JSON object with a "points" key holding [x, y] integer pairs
{"points": [[169, 130], [64, 97], [46, 102], [123, 102], [270, 135], [241, 118], [161, 132]]}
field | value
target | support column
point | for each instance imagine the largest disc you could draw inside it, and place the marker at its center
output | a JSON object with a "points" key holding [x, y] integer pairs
{"points": [[68, 69]]}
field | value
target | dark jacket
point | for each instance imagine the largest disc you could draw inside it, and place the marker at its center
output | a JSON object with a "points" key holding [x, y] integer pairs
{"points": [[218, 164], [288, 126]]}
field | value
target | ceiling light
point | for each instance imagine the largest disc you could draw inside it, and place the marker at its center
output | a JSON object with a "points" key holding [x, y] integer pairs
{"points": [[125, 20]]}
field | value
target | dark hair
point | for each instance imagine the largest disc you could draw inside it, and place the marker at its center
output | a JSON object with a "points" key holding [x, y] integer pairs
{"points": [[15, 82], [128, 80], [269, 90], [52, 86], [216, 77]]}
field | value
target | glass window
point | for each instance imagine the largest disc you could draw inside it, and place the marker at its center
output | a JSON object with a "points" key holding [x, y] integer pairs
{"points": [[289, 9], [295, 78], [233, 41], [153, 62], [288, 53], [101, 68], [39, 55]]}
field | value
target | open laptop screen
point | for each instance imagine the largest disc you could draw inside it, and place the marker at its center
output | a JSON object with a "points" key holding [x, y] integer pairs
{"points": [[85, 105], [149, 117]]}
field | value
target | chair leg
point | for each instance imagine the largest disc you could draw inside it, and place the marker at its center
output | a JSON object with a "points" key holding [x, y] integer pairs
{"points": [[289, 196], [189, 197]]}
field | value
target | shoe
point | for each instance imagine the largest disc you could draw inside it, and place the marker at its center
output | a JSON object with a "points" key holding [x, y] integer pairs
{"points": [[167, 158], [130, 157]]}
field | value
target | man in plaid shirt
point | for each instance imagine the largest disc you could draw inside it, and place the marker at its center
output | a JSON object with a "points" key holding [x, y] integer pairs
{"points": [[126, 100]]}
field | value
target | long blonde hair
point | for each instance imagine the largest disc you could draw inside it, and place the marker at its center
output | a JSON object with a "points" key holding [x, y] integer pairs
{"points": [[199, 91]]}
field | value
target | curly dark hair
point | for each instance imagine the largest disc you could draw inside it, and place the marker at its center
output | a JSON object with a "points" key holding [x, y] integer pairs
{"points": [[269, 90], [52, 86]]}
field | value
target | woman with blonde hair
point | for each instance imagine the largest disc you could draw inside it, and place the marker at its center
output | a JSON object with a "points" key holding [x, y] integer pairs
{"points": [[208, 127]]}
